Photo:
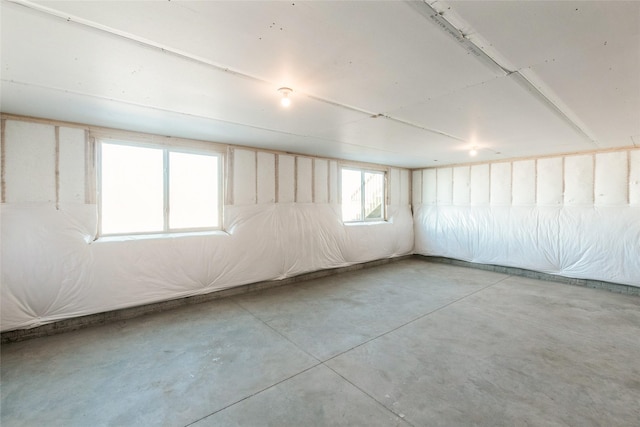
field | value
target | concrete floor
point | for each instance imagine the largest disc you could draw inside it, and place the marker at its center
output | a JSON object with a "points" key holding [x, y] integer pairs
{"points": [[410, 343]]}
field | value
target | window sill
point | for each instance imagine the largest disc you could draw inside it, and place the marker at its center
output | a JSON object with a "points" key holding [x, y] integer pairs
{"points": [[159, 236], [359, 223]]}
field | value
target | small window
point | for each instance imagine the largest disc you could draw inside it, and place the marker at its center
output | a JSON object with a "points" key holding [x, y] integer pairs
{"points": [[151, 189], [363, 195]]}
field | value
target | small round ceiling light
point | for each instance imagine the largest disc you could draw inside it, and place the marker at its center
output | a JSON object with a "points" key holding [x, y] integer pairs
{"points": [[473, 152], [285, 101]]}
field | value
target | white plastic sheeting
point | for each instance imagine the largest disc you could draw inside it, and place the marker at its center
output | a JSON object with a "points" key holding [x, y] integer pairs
{"points": [[52, 268], [575, 216]]}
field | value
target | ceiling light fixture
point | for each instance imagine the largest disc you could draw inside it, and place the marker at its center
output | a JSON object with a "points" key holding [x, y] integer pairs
{"points": [[473, 151], [285, 91]]}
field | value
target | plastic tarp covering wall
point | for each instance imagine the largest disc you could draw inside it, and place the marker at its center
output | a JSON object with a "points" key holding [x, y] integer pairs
{"points": [[576, 216], [52, 268]]}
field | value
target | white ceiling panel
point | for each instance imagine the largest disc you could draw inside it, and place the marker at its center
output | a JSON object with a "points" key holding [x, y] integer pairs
{"points": [[601, 86], [500, 115], [535, 32], [210, 70]]}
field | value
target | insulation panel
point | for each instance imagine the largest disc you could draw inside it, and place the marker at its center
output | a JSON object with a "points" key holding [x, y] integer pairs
{"points": [[501, 184], [611, 185], [304, 180], [578, 180], [286, 179], [266, 182], [549, 181], [320, 181], [71, 165], [480, 185], [30, 162], [524, 183], [244, 177], [461, 185]]}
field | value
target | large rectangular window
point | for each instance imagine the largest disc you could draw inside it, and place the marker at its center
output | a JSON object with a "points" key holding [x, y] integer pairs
{"points": [[153, 189], [363, 195]]}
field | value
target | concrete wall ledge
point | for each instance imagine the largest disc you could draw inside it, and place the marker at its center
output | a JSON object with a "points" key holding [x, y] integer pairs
{"points": [[514, 271], [81, 322]]}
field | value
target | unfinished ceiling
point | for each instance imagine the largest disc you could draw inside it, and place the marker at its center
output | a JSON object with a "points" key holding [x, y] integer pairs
{"points": [[409, 84]]}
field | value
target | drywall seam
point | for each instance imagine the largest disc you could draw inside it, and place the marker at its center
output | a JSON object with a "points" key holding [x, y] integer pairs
{"points": [[183, 55], [3, 181], [57, 166]]}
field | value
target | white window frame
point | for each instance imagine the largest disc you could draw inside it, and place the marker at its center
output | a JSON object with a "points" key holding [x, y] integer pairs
{"points": [[166, 171], [362, 171]]}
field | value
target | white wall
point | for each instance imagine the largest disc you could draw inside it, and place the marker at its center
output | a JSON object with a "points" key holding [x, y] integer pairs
{"points": [[576, 215], [282, 218]]}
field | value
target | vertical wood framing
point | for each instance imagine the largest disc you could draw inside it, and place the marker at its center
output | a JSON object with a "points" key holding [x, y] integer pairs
{"points": [[229, 172], [276, 176], [57, 166], [255, 185], [3, 162], [313, 180], [165, 189], [91, 177], [295, 179]]}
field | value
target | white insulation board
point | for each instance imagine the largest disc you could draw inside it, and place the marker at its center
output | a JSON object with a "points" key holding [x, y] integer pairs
{"points": [[52, 269], [30, 162], [244, 177], [304, 180], [266, 183], [567, 233]]}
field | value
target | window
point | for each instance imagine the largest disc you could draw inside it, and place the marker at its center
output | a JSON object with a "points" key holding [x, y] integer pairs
{"points": [[363, 195], [155, 189]]}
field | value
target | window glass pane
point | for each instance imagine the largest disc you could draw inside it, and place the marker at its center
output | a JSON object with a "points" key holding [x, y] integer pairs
{"points": [[351, 195], [193, 190], [131, 189], [373, 195]]}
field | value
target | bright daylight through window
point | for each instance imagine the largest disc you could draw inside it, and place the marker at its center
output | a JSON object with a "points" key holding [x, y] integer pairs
{"points": [[147, 189], [362, 195]]}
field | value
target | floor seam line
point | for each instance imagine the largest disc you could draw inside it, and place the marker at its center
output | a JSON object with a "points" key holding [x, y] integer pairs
{"points": [[276, 331], [401, 416], [417, 318], [254, 394], [323, 362]]}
